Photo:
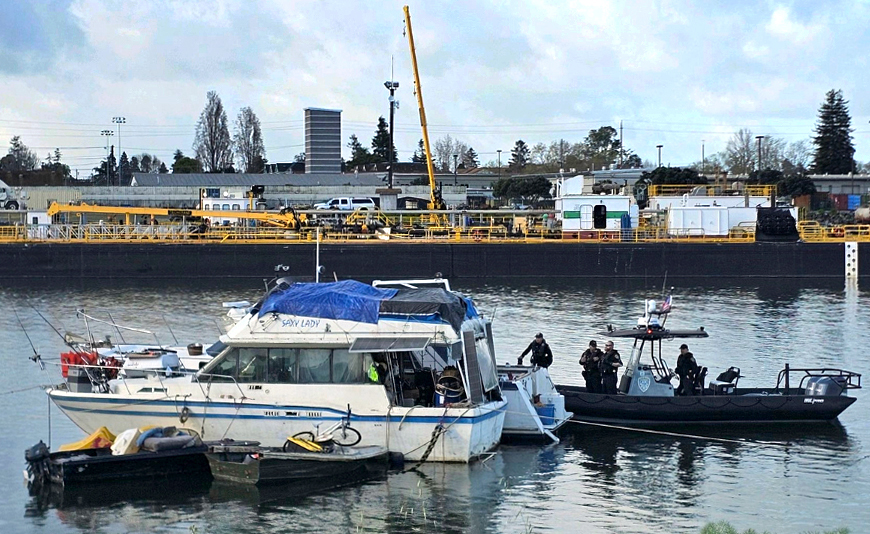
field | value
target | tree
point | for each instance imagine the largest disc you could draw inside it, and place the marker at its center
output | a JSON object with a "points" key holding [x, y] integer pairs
{"points": [[834, 153], [673, 175], [445, 147], [631, 161], [381, 142], [601, 147], [469, 159], [740, 152], [795, 186], [164, 170], [22, 158], [212, 145], [526, 189], [105, 174], [182, 164], [765, 177], [134, 164], [53, 163], [126, 178], [419, 154], [798, 154], [359, 155], [250, 150], [519, 156]]}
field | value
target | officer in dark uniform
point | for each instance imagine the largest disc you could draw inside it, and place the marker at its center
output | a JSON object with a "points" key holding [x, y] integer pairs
{"points": [[542, 356], [610, 363], [591, 360], [687, 370]]}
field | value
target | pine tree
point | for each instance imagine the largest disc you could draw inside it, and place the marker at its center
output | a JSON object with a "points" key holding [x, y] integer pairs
{"points": [[381, 142], [469, 159], [834, 152], [519, 155], [359, 155], [124, 170], [419, 154]]}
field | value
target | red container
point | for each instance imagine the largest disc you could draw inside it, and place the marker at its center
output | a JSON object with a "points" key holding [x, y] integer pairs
{"points": [[76, 358]]}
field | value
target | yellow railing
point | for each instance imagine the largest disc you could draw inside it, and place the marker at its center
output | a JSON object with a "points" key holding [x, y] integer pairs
{"points": [[810, 231], [671, 190]]}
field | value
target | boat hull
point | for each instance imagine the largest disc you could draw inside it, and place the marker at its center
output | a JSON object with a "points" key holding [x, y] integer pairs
{"points": [[468, 432], [238, 465], [745, 405]]}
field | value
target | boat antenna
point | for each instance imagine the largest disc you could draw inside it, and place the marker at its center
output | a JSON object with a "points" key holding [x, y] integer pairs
{"points": [[175, 339], [664, 283], [36, 358]]}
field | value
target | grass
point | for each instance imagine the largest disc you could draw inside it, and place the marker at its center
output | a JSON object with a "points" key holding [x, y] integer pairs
{"points": [[724, 527]]}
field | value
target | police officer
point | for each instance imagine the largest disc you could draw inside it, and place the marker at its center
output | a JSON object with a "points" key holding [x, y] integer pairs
{"points": [[610, 362], [542, 356], [687, 370], [590, 360]]}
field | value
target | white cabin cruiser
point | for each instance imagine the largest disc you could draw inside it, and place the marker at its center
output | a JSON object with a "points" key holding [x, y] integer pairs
{"points": [[307, 351]]}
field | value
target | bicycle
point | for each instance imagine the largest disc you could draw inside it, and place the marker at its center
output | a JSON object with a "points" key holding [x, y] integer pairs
{"points": [[339, 433]]}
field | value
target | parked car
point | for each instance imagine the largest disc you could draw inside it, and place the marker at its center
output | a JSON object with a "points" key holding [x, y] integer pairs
{"points": [[347, 203]]}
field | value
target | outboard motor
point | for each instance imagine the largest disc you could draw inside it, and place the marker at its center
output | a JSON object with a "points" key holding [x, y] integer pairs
{"points": [[825, 386]]}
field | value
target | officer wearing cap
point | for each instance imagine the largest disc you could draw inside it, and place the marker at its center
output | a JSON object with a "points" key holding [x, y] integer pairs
{"points": [[542, 356], [687, 370], [610, 363], [590, 360]]}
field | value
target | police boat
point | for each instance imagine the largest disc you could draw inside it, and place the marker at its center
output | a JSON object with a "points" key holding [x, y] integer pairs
{"points": [[646, 396]]}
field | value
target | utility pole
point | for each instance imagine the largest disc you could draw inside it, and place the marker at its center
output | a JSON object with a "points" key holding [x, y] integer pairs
{"points": [[758, 138], [499, 163], [455, 166], [107, 134], [119, 121], [659, 147], [621, 148]]}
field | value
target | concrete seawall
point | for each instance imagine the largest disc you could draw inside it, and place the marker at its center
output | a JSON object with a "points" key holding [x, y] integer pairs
{"points": [[453, 260]]}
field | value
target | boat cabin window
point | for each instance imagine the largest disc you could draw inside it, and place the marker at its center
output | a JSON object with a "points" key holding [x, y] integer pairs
{"points": [[292, 366]]}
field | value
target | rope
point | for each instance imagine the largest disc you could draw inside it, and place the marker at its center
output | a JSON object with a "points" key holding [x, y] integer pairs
{"points": [[21, 390], [677, 434], [436, 433]]}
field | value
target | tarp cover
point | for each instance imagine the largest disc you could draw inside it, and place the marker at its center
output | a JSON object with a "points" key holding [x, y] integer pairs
{"points": [[349, 300], [427, 301]]}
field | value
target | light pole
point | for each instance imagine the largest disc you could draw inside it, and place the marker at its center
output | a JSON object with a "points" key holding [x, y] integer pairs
{"points": [[758, 139], [703, 159], [391, 87], [499, 163], [659, 147], [107, 134], [119, 121]]}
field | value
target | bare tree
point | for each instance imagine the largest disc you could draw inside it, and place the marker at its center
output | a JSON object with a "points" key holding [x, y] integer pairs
{"points": [[799, 153], [213, 146], [740, 152], [250, 151], [773, 152], [445, 148]]}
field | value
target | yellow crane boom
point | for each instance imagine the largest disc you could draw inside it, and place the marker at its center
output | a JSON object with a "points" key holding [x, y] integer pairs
{"points": [[285, 220], [435, 200]]}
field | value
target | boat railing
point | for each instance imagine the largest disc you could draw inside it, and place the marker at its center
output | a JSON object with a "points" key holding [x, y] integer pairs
{"points": [[211, 377], [848, 379]]}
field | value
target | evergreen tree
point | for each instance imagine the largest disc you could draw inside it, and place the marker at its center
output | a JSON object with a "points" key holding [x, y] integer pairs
{"points": [[134, 165], [519, 156], [163, 169], [124, 170], [469, 159], [419, 154], [359, 155], [834, 153], [381, 142]]}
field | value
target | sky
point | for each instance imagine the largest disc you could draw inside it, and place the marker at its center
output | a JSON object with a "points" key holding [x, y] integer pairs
{"points": [[677, 73]]}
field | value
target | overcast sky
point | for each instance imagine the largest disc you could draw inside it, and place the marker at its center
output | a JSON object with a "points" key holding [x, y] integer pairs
{"points": [[675, 72]]}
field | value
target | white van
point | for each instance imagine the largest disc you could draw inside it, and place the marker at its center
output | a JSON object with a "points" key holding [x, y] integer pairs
{"points": [[346, 203]]}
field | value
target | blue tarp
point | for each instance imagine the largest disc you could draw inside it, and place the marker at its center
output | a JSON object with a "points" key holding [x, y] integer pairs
{"points": [[348, 299]]}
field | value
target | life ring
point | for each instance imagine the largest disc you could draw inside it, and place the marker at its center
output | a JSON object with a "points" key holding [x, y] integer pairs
{"points": [[838, 232]]}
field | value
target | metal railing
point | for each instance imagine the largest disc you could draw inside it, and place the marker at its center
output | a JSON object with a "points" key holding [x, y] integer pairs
{"points": [[671, 190]]}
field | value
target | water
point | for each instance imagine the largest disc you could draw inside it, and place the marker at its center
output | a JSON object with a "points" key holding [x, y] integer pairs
{"points": [[597, 480]]}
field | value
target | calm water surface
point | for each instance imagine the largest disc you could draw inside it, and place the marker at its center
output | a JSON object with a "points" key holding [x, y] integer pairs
{"points": [[596, 480]]}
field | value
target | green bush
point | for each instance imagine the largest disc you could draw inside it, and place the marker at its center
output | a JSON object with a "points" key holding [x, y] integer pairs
{"points": [[723, 527]]}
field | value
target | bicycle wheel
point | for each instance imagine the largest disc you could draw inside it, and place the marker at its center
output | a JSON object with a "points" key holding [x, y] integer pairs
{"points": [[346, 437]]}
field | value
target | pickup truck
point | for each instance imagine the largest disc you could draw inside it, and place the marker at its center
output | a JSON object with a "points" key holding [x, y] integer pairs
{"points": [[346, 203]]}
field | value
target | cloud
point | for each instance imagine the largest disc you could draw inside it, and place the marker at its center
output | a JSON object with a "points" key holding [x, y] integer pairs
{"points": [[492, 72]]}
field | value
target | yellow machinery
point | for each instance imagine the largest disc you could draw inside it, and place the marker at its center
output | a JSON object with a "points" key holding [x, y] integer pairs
{"points": [[286, 219], [435, 200]]}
